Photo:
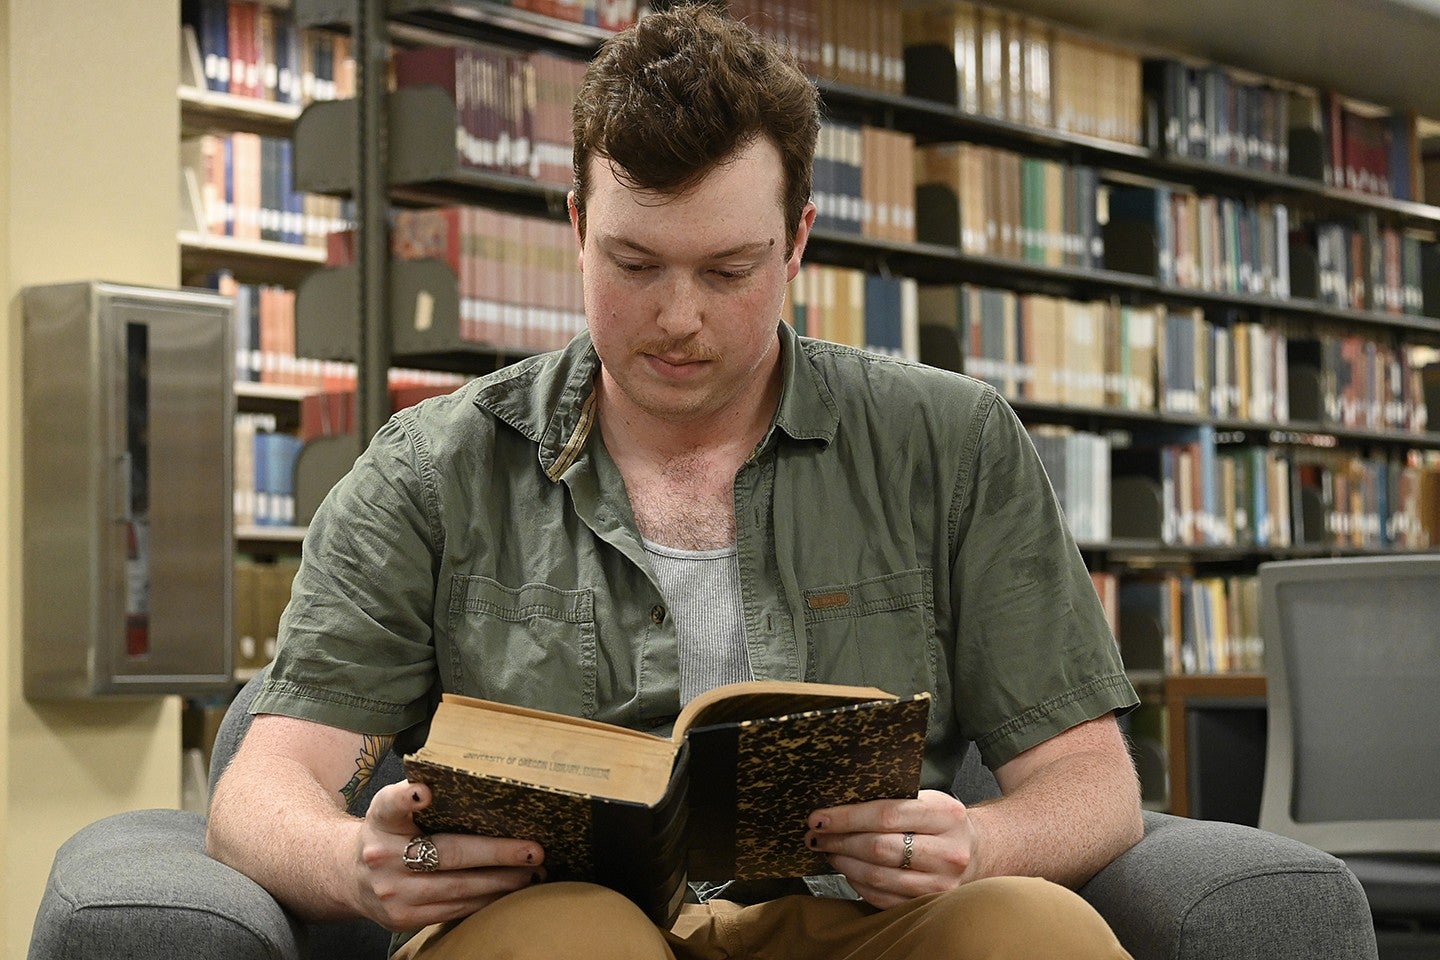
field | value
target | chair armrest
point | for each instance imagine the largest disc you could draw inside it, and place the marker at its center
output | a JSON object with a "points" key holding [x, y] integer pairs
{"points": [[1204, 890], [140, 884]]}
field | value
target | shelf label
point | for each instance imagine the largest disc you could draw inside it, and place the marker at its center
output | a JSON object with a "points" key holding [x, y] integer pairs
{"points": [[424, 310]]}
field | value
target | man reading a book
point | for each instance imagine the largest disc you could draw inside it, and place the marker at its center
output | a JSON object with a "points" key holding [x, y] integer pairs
{"points": [[687, 495]]}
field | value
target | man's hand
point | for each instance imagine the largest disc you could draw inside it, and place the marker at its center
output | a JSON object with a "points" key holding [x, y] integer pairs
{"points": [[472, 871], [867, 842], [1070, 805]]}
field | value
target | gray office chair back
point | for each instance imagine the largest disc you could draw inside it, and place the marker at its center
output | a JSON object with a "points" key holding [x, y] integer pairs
{"points": [[1352, 657]]}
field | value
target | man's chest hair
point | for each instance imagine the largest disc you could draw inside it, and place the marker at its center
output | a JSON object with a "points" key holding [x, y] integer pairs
{"points": [[685, 507]]}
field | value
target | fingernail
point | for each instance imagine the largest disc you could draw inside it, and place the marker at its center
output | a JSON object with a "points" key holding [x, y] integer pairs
{"points": [[819, 824], [415, 796], [536, 878], [814, 842], [529, 856]]}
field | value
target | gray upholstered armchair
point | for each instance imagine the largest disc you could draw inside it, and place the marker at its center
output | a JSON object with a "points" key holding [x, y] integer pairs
{"points": [[140, 885]]}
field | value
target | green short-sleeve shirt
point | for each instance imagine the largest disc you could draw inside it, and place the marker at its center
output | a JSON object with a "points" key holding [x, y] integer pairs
{"points": [[894, 528]]}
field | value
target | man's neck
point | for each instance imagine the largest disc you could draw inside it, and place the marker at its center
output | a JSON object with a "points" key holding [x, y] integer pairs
{"points": [[637, 436], [680, 475]]}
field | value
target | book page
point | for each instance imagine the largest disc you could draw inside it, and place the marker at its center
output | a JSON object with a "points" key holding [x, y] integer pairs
{"points": [[549, 750], [758, 699]]}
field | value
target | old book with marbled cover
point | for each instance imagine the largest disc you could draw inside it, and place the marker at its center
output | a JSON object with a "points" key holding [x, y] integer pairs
{"points": [[725, 797]]}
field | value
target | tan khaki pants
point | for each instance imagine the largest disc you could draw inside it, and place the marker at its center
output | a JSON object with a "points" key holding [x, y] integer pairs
{"points": [[1004, 918]]}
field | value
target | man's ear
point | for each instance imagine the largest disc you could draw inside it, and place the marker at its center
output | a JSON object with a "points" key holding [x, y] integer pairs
{"points": [[802, 236], [574, 211]]}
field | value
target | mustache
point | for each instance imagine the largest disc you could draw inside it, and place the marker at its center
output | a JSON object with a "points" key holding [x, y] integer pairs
{"points": [[678, 351]]}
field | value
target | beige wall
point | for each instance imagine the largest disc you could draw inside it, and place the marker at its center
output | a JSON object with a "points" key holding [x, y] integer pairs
{"points": [[88, 173], [9, 470]]}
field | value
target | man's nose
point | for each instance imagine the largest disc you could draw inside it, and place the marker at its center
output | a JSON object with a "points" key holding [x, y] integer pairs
{"points": [[681, 310]]}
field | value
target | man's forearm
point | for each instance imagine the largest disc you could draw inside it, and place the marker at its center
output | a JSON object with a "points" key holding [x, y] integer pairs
{"points": [[283, 830], [1065, 822]]}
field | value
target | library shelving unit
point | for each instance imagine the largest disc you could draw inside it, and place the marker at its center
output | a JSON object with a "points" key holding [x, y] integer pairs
{"points": [[246, 71], [1329, 293]]}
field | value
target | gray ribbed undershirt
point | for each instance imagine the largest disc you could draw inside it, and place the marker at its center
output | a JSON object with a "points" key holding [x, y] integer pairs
{"points": [[702, 590]]}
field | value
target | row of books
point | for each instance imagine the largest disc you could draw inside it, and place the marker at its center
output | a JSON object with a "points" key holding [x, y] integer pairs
{"points": [[1235, 494], [1365, 266], [853, 42], [1225, 368], [242, 185], [265, 346], [265, 333], [265, 455], [518, 284], [265, 338], [1049, 349], [1009, 205], [1370, 503], [1210, 113], [1207, 112], [877, 313], [1364, 149], [513, 108], [1239, 497], [1007, 66], [1367, 383], [1054, 350], [264, 471], [1078, 465], [1181, 623], [252, 49], [864, 181], [1209, 242], [261, 591], [605, 14]]}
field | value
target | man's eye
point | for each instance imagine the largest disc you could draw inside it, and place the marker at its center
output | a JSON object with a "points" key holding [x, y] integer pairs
{"points": [[634, 267], [732, 274]]}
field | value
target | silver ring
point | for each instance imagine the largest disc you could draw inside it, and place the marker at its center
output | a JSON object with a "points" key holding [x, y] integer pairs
{"points": [[421, 856], [908, 839]]}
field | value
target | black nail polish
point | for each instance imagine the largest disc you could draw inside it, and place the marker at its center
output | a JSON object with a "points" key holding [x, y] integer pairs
{"points": [[530, 856], [536, 878], [415, 796], [814, 842]]}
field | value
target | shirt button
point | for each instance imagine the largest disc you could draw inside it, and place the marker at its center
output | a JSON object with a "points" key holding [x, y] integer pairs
{"points": [[657, 614]]}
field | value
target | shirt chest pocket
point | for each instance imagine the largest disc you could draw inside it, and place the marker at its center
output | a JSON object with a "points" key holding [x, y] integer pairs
{"points": [[532, 645], [878, 632]]}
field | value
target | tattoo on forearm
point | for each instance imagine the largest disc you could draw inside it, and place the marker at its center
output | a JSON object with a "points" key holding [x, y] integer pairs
{"points": [[372, 749]]}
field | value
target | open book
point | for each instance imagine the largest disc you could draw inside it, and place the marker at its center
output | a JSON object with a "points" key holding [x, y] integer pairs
{"points": [[726, 797]]}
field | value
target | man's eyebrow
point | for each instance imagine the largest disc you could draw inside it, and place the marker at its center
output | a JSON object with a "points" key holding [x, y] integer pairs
{"points": [[749, 248]]}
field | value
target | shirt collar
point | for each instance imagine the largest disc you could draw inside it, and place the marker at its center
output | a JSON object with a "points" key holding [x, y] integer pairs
{"points": [[807, 408], [551, 399]]}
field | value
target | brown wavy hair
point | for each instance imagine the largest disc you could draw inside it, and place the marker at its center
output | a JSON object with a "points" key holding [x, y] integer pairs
{"points": [[674, 96]]}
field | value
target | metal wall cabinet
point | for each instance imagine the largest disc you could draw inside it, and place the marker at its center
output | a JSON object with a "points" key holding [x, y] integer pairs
{"points": [[128, 514]]}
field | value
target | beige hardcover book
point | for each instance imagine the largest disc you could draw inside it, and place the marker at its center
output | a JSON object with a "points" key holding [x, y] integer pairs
{"points": [[873, 214], [1013, 25], [727, 795], [990, 42], [1038, 106]]}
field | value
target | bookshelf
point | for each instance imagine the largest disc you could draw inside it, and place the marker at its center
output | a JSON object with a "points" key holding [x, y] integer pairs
{"points": [[1285, 302], [246, 72]]}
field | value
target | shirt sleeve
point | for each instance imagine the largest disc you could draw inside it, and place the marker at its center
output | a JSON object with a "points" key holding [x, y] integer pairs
{"points": [[1034, 652], [355, 648]]}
